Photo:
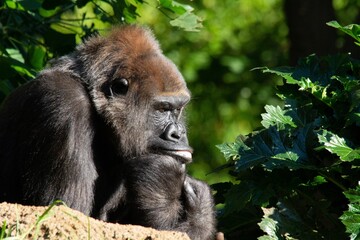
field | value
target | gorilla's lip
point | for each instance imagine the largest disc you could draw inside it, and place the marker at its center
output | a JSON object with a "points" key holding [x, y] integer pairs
{"points": [[180, 151], [185, 155]]}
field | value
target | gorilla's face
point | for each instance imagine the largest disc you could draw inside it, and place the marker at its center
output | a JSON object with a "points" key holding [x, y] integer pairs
{"points": [[166, 111], [142, 95]]}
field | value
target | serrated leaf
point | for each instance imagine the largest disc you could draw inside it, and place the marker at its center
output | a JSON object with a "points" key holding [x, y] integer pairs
{"points": [[351, 217], [282, 222], [337, 145], [306, 83], [231, 150], [353, 195], [269, 226], [254, 154], [271, 149], [285, 72], [352, 30], [275, 116]]}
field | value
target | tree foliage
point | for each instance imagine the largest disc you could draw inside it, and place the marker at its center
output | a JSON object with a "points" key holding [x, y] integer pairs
{"points": [[296, 175]]}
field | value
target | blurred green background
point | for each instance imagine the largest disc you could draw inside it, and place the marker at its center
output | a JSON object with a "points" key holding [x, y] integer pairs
{"points": [[217, 61]]}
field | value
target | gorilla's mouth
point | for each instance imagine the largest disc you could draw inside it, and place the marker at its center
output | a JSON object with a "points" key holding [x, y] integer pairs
{"points": [[178, 150], [184, 155]]}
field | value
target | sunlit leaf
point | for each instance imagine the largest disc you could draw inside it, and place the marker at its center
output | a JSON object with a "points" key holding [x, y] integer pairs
{"points": [[231, 150], [15, 54], [275, 116], [337, 145], [351, 217], [352, 30], [282, 222]]}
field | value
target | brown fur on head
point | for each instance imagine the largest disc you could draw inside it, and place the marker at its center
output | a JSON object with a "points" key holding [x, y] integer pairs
{"points": [[134, 40]]}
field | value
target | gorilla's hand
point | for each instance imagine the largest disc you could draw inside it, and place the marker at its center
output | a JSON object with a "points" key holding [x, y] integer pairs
{"points": [[166, 198], [154, 184], [199, 209]]}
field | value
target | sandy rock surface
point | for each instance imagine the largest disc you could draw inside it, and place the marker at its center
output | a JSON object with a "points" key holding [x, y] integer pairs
{"points": [[64, 223]]}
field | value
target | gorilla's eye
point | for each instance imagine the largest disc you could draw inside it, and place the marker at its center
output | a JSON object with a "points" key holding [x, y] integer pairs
{"points": [[119, 86]]}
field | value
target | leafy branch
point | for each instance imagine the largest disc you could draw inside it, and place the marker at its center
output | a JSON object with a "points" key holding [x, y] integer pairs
{"points": [[295, 174]]}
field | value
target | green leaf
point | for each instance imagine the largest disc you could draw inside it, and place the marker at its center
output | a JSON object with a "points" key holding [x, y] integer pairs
{"points": [[351, 217], [287, 156], [11, 4], [275, 116], [37, 56], [254, 154], [184, 18], [337, 145], [231, 150], [352, 30], [175, 7], [15, 61], [188, 21], [269, 226], [318, 180], [305, 84], [285, 72], [272, 149], [283, 222], [15, 54]]}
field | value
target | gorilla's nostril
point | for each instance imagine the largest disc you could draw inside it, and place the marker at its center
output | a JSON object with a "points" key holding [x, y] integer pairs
{"points": [[175, 135]]}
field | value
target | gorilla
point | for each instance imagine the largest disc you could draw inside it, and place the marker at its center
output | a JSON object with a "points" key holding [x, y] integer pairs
{"points": [[103, 130]]}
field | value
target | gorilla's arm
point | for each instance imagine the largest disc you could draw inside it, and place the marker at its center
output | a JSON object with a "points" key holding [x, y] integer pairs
{"points": [[162, 196], [45, 139]]}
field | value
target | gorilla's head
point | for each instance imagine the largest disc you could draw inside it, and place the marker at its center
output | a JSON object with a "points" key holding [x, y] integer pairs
{"points": [[138, 92]]}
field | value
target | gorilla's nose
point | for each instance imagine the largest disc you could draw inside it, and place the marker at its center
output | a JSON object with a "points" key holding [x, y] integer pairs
{"points": [[172, 133]]}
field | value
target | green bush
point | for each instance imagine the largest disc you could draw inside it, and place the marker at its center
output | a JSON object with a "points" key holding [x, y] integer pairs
{"points": [[298, 176]]}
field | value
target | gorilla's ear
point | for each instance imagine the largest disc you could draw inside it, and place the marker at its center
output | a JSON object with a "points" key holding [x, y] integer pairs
{"points": [[49, 123]]}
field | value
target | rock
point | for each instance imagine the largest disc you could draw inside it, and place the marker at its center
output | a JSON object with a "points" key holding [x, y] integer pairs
{"points": [[61, 222]]}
